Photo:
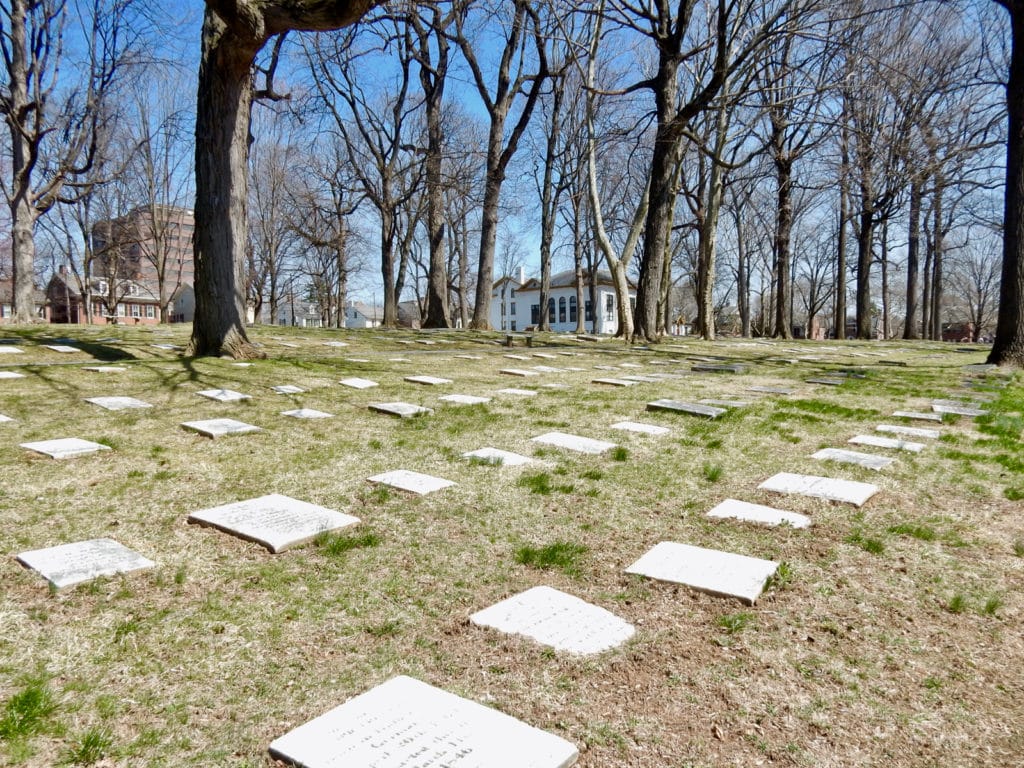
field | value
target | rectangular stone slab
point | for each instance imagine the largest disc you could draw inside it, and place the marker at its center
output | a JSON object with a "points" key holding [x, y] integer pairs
{"points": [[105, 368], [548, 369], [866, 460], [958, 410], [7, 349], [545, 356], [517, 392], [469, 357], [357, 383], [848, 491], [887, 442], [919, 416], [11, 375], [69, 564], [219, 427], [288, 389], [771, 390], [556, 619], [223, 395], [4, 419], [402, 410], [465, 399], [758, 513], [62, 348], [65, 447], [518, 372], [335, 344], [405, 723], [414, 482], [275, 521], [498, 456], [678, 406], [430, 381], [307, 413], [644, 429], [831, 381], [615, 382], [896, 429], [573, 442], [717, 368], [706, 570], [640, 379], [518, 357], [117, 403]]}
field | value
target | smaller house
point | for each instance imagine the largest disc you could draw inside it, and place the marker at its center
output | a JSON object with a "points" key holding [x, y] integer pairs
{"points": [[361, 315], [137, 302], [7, 303], [299, 314]]}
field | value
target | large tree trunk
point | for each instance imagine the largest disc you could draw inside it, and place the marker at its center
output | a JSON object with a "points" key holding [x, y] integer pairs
{"points": [[884, 261], [865, 237], [783, 229], [913, 257], [387, 269], [937, 247], [844, 217], [742, 275]]}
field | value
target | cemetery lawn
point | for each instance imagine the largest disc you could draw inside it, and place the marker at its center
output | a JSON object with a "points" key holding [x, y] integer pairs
{"points": [[891, 634]]}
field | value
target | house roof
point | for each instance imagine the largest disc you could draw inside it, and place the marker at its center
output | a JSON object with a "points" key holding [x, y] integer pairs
{"points": [[369, 311], [7, 293], [567, 279]]}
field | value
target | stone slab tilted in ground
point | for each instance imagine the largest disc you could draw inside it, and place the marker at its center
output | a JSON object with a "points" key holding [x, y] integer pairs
{"points": [[105, 368], [758, 513], [706, 570], [465, 399], [288, 389], [896, 429], [545, 356], [517, 392], [11, 375], [275, 521], [615, 382], [6, 349], [717, 368], [62, 348], [887, 442], [919, 416], [497, 456], [469, 357], [678, 406], [307, 413], [223, 395], [69, 564], [644, 429], [4, 419], [771, 390], [430, 381], [548, 369], [405, 723], [357, 383], [958, 409], [640, 379], [557, 619], [517, 357], [219, 427], [866, 460], [414, 482], [65, 447], [831, 381], [848, 491], [402, 410], [573, 442], [518, 372], [117, 403]]}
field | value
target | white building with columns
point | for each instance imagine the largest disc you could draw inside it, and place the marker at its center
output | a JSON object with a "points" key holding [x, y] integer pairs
{"points": [[515, 303]]}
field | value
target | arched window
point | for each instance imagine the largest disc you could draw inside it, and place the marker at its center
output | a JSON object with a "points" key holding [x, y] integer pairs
{"points": [[561, 309], [573, 309], [551, 310]]}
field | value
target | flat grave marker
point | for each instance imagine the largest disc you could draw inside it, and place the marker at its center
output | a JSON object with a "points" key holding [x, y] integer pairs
{"points": [[556, 619], [517, 392], [414, 482], [848, 491], [518, 372], [69, 564], [918, 415], [64, 349], [545, 356], [498, 456], [615, 382], [469, 357], [887, 442], [548, 369], [335, 344], [957, 409], [4, 419], [402, 410], [841, 455], [693, 409], [630, 365], [118, 403], [223, 395], [357, 383], [758, 513], [641, 428], [717, 368], [277, 522], [356, 360], [897, 429], [830, 381], [7, 349], [771, 390], [465, 399], [707, 570], [288, 389], [517, 357], [219, 427], [65, 448], [307, 413], [105, 368], [573, 442], [405, 723], [430, 381], [639, 379], [11, 375]]}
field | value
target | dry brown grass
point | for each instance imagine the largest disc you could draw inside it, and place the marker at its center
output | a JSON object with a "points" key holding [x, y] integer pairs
{"points": [[857, 659]]}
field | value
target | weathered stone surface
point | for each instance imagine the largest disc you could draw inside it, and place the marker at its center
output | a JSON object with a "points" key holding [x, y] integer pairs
{"points": [[771, 390], [405, 723], [275, 521], [117, 403], [718, 368], [517, 392], [887, 442], [573, 442], [62, 348], [724, 403], [65, 448], [615, 382], [497, 456], [11, 375], [706, 570], [307, 413], [848, 491], [414, 482], [513, 356], [223, 395], [465, 399], [70, 564], [430, 381], [758, 513], [105, 368], [335, 344], [518, 372], [896, 429], [957, 409], [402, 410], [556, 619], [220, 427], [358, 383], [288, 389], [678, 406], [866, 460], [919, 416], [831, 381], [548, 369], [4, 419], [7, 349], [645, 429]]}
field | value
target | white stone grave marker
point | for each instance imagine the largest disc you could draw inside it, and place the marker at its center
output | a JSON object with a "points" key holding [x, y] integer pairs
{"points": [[118, 403], [919, 416], [848, 491], [7, 349], [557, 619], [357, 383], [430, 381], [69, 564], [465, 399], [644, 429], [11, 375], [518, 372], [706, 570], [62, 348], [414, 482], [958, 409], [469, 357], [545, 356], [866, 460], [573, 442], [307, 413], [288, 389], [771, 390], [223, 395], [335, 344], [517, 357], [831, 381], [896, 429], [677, 406], [498, 456], [65, 448], [219, 427], [548, 369], [105, 368], [4, 419], [615, 382], [887, 442], [630, 365], [517, 392], [758, 513], [402, 410], [275, 521], [405, 723]]}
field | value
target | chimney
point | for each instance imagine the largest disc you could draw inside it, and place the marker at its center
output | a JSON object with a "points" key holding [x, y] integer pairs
{"points": [[521, 274], [62, 271]]}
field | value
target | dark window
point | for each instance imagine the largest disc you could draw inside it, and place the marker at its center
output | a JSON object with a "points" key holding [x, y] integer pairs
{"points": [[561, 309], [573, 309], [551, 310], [534, 314], [609, 307], [588, 312]]}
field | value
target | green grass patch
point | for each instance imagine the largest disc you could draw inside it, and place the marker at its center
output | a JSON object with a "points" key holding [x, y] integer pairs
{"points": [[337, 544], [89, 748], [731, 623], [914, 530], [561, 556], [867, 543], [28, 712], [620, 453], [541, 483], [825, 408], [957, 603], [713, 472]]}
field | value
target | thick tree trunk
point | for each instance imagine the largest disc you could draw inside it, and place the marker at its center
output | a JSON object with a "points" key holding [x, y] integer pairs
{"points": [[436, 315], [865, 237], [884, 259], [937, 248], [783, 230], [844, 218], [926, 290], [742, 277], [387, 269], [913, 257]]}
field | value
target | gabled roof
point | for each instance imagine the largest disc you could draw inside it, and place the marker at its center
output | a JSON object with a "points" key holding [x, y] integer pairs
{"points": [[7, 293], [567, 279]]}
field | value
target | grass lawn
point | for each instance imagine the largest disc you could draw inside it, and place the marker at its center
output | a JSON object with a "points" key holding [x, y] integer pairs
{"points": [[890, 636]]}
